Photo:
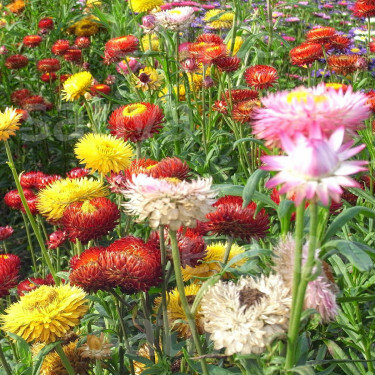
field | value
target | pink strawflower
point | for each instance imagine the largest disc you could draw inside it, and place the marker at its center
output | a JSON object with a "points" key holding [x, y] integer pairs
{"points": [[133, 63], [56, 239], [299, 110], [314, 168], [177, 19], [5, 232]]}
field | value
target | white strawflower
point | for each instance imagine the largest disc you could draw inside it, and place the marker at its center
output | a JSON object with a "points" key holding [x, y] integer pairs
{"points": [[244, 317], [169, 202], [175, 19]]}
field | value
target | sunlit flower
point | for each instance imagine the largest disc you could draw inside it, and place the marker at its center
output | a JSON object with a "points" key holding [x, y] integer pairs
{"points": [[140, 6], [100, 88], [364, 8], [261, 76], [60, 47], [238, 42], [148, 79], [45, 23], [13, 200], [306, 53], [30, 284], [227, 63], [46, 314], [314, 168], [219, 19], [164, 202], [85, 27], [119, 47], [9, 123], [56, 239], [178, 18], [346, 64], [53, 200], [73, 55], [321, 35], [77, 85], [32, 41], [243, 317]]}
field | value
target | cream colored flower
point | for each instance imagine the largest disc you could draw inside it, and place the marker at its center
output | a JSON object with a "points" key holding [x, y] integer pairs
{"points": [[244, 317], [175, 19]]}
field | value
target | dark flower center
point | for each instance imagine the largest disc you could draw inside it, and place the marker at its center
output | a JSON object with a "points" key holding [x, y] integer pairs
{"points": [[250, 296], [144, 78]]}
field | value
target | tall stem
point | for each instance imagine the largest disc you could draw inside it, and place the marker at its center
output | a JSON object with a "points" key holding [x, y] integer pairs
{"points": [[4, 362], [29, 241], [184, 302], [227, 249], [29, 215], [138, 148], [91, 117]]}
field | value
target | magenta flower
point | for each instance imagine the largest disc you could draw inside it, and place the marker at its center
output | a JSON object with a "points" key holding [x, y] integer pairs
{"points": [[314, 168], [303, 109]]}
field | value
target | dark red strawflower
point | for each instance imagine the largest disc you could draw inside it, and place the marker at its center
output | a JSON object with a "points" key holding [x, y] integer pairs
{"points": [[364, 8], [78, 172], [32, 41], [45, 23], [90, 220], [30, 179], [231, 219], [306, 53], [16, 62], [60, 47], [340, 42], [346, 64], [56, 239], [73, 55], [46, 180], [372, 46], [371, 100], [9, 269], [82, 42], [13, 200], [136, 122], [36, 103], [238, 96], [31, 203], [6, 232], [30, 284], [48, 65], [243, 112], [96, 90], [117, 48], [64, 77], [131, 264], [170, 168], [48, 77], [321, 35], [210, 38], [261, 76], [227, 63], [18, 96]]}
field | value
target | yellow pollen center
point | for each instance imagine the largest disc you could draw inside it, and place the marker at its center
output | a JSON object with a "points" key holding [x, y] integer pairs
{"points": [[335, 86], [4, 256], [88, 208], [41, 298], [175, 12], [302, 96], [355, 49], [173, 180], [134, 110]]}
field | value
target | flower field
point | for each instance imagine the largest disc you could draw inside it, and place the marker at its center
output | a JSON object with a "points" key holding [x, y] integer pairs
{"points": [[187, 187]]}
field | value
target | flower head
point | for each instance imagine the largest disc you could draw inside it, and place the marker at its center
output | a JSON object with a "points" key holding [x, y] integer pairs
{"points": [[306, 53], [48, 65], [16, 62], [148, 79], [5, 232], [53, 200], [117, 48], [219, 19], [314, 168], [32, 41], [77, 85], [46, 314], [261, 76], [243, 317], [9, 123], [96, 347], [178, 18], [9, 269], [30, 284], [140, 6], [346, 64], [169, 203]]}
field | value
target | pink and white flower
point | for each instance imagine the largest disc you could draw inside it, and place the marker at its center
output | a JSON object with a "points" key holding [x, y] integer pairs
{"points": [[314, 168], [175, 19]]}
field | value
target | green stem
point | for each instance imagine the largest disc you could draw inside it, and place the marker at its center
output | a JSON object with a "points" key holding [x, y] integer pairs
{"points": [[4, 362], [138, 148], [184, 301], [5, 247], [29, 215], [227, 250], [297, 303], [64, 359], [29, 241], [91, 117]]}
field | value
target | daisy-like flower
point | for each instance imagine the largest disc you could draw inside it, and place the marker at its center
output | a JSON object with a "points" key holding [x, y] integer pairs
{"points": [[46, 23], [231, 219], [346, 64], [60, 47], [53, 200], [30, 284], [48, 65], [117, 48], [315, 168], [103, 153], [140, 6], [56, 239], [148, 79], [136, 121], [32, 41], [306, 53], [301, 109], [243, 112], [164, 202], [16, 62], [243, 317], [9, 123], [84, 27], [175, 19], [261, 76], [9, 269], [46, 314], [176, 316], [77, 85], [219, 19], [364, 8], [227, 63], [321, 35], [210, 264]]}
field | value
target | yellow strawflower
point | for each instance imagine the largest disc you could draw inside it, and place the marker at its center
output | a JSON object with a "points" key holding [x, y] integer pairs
{"points": [[53, 200], [77, 85], [9, 123], [46, 314], [139, 6], [103, 153], [153, 46], [219, 19], [84, 27], [238, 41]]}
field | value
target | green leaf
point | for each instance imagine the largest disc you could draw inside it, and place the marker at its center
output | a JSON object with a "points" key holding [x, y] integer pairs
{"points": [[344, 217], [40, 356], [22, 346], [228, 189], [338, 353], [303, 370], [251, 186]]}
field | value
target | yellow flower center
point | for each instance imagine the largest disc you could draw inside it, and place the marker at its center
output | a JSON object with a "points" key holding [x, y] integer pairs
{"points": [[355, 49], [134, 110], [88, 208], [173, 180], [302, 96], [40, 299], [335, 86], [4, 256], [175, 12]]}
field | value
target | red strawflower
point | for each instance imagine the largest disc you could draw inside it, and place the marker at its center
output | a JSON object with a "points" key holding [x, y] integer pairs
{"points": [[227, 63], [23, 113], [364, 8], [206, 53], [18, 96], [82, 42], [340, 42], [16, 62], [346, 64], [371, 100], [48, 77], [117, 48], [261, 76], [56, 239], [210, 38], [30, 284], [170, 168], [36, 103], [337, 87], [64, 77], [136, 122], [45, 23], [78, 172], [321, 35], [237, 96], [190, 65], [46, 180], [6, 232], [31, 203], [32, 41], [73, 55], [96, 90], [9, 268], [231, 219], [30, 179], [306, 53], [13, 200], [48, 65], [243, 112], [90, 220], [60, 47], [131, 264]]}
